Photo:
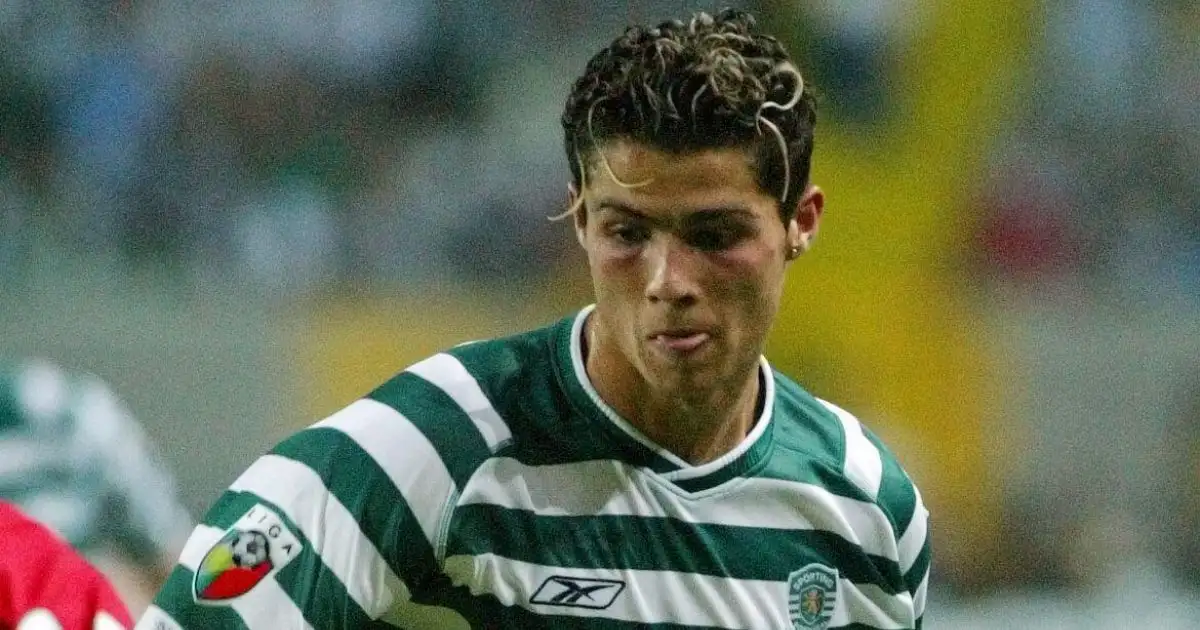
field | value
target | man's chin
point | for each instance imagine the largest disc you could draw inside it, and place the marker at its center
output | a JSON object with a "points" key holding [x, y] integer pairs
{"points": [[682, 380]]}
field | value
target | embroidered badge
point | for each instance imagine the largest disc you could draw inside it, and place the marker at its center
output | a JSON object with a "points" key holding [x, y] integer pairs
{"points": [[812, 593], [258, 545]]}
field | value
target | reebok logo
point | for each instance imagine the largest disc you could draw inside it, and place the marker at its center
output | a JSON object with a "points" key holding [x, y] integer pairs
{"points": [[560, 590]]}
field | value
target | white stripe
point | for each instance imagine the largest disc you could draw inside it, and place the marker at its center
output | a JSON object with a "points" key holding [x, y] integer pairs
{"points": [[332, 531], [449, 375], [674, 597], [913, 540], [266, 607], [408, 459], [863, 465], [919, 596], [648, 597], [606, 487], [868, 604]]}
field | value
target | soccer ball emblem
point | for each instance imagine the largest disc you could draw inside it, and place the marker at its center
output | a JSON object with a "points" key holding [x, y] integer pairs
{"points": [[250, 549]]}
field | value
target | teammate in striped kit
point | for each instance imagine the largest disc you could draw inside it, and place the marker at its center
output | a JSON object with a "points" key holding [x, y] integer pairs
{"points": [[636, 464], [74, 458]]}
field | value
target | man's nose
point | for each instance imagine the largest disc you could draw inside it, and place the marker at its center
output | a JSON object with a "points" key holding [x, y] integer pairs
{"points": [[672, 268]]}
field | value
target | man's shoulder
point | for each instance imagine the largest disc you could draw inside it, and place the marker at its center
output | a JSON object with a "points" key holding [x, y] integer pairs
{"points": [[492, 373], [450, 409], [851, 457], [807, 424], [492, 359]]}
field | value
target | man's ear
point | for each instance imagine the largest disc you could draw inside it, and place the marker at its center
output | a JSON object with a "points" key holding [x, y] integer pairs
{"points": [[802, 227]]}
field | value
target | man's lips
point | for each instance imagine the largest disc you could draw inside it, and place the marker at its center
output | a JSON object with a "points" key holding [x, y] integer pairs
{"points": [[680, 340]]}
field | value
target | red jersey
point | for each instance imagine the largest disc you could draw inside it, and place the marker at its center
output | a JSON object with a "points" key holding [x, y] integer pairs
{"points": [[46, 584]]}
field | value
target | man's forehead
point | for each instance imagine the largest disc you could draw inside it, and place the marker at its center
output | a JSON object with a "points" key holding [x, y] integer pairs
{"points": [[631, 170]]}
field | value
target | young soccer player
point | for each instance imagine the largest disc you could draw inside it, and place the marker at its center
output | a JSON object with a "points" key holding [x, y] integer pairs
{"points": [[636, 464]]}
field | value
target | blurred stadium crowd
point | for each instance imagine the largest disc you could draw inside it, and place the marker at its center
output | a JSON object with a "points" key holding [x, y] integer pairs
{"points": [[285, 148]]}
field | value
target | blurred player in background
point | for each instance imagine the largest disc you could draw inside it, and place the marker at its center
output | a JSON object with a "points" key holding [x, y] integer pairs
{"points": [[636, 464], [47, 585], [73, 458]]}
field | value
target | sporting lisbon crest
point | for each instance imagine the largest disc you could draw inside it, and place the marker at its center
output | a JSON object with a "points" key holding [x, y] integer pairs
{"points": [[812, 593], [258, 544]]}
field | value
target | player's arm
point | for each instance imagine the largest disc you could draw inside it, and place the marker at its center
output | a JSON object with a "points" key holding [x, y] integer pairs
{"points": [[44, 583], [900, 499], [332, 529]]}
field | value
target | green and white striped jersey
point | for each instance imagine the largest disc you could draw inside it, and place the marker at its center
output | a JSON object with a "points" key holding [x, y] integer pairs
{"points": [[490, 487]]}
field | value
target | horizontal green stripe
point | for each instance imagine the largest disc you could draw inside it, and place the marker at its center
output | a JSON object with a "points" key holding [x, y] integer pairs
{"points": [[519, 376], [383, 515], [662, 544]]}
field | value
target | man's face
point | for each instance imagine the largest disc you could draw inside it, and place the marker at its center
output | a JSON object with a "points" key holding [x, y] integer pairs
{"points": [[687, 262]]}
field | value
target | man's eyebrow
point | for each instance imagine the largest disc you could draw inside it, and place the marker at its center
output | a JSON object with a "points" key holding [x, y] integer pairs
{"points": [[703, 214], [617, 206], [719, 213]]}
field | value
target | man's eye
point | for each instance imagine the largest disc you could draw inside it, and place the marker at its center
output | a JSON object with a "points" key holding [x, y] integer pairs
{"points": [[630, 234], [713, 239]]}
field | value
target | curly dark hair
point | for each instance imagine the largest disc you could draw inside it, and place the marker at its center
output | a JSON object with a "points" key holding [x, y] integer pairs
{"points": [[711, 82]]}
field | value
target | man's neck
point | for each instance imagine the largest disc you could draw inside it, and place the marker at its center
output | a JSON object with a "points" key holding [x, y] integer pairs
{"points": [[697, 434], [698, 427]]}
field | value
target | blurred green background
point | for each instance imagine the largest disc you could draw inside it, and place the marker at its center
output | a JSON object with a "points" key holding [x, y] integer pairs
{"points": [[243, 216]]}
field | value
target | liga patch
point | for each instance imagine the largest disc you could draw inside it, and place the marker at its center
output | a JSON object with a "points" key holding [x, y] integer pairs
{"points": [[257, 546]]}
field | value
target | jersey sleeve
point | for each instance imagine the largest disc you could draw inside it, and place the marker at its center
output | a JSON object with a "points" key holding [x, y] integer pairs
{"points": [[45, 583], [901, 500], [916, 556], [874, 469], [335, 527]]}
